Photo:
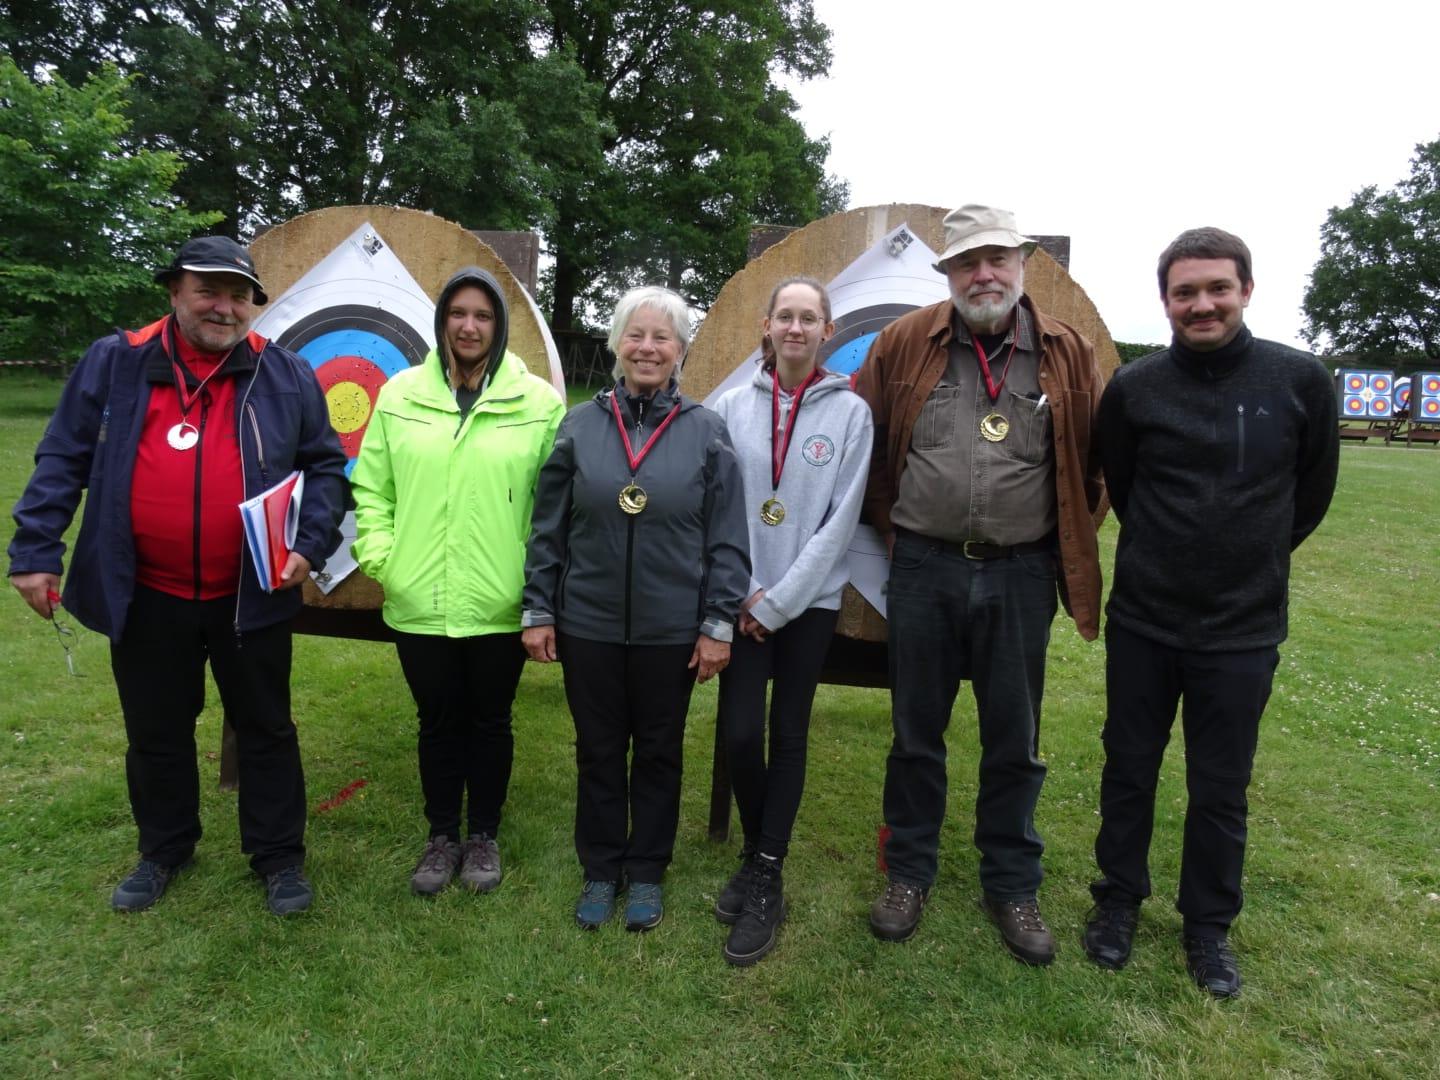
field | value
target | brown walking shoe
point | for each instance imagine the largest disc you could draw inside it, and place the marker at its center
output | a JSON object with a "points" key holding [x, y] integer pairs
{"points": [[1022, 929], [896, 912]]}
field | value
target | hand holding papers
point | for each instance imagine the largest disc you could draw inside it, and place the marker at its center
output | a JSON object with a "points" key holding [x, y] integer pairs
{"points": [[271, 520]]}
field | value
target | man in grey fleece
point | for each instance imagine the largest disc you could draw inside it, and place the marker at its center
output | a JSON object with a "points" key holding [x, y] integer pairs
{"points": [[1220, 456]]}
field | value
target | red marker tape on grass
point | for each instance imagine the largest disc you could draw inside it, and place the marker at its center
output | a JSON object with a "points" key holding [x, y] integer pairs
{"points": [[341, 796]]}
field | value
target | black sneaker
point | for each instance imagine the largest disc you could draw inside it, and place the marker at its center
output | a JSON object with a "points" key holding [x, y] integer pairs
{"points": [[1212, 965], [755, 931], [145, 885], [287, 891], [896, 912], [1110, 933], [732, 897]]}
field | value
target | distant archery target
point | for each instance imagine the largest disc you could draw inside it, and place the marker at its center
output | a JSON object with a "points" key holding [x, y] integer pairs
{"points": [[1366, 394], [1401, 396], [1425, 386], [354, 349]]}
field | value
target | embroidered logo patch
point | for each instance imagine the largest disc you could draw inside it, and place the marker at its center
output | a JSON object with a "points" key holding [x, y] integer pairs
{"points": [[818, 450]]}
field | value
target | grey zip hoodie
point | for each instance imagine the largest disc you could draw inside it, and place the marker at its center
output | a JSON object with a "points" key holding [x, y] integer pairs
{"points": [[800, 563]]}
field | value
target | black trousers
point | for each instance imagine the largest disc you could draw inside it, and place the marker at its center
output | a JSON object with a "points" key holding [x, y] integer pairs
{"points": [[769, 795], [953, 618], [1224, 695], [627, 700], [159, 667], [463, 690]]}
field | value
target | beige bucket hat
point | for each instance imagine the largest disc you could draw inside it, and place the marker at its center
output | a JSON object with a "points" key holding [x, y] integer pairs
{"points": [[973, 226]]}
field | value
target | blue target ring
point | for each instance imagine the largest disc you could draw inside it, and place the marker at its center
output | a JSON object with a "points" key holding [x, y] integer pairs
{"points": [[380, 352]]}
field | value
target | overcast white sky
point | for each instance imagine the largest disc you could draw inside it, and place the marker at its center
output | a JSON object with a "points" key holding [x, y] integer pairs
{"points": [[1123, 123]]}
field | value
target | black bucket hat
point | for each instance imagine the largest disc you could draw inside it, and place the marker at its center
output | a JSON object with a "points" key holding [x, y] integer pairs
{"points": [[214, 255]]}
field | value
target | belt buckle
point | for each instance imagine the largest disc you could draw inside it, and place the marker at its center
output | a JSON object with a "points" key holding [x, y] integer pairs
{"points": [[965, 549]]}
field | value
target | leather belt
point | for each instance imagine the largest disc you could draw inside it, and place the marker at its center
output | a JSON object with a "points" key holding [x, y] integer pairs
{"points": [[980, 551]]}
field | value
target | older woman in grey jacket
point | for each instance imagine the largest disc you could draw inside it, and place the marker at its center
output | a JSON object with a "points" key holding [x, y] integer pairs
{"points": [[637, 566], [804, 441]]}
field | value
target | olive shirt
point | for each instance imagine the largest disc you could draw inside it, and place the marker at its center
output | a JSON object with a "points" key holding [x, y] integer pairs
{"points": [[904, 366], [958, 485]]}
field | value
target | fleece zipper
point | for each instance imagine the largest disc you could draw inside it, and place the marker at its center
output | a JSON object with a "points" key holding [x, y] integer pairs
{"points": [[1240, 457]]}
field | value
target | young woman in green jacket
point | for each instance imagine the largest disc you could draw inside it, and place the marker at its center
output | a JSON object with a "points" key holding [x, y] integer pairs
{"points": [[443, 487]]}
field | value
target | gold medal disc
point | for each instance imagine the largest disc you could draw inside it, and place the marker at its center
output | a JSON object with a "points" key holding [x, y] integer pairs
{"points": [[633, 498], [772, 512], [994, 427]]}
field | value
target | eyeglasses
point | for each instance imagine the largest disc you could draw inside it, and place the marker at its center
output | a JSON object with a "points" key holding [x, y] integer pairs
{"points": [[808, 320], [66, 633]]}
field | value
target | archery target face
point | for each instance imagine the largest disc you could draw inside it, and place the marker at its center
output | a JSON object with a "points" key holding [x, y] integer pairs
{"points": [[1366, 394], [1425, 387], [1402, 393], [358, 317]]}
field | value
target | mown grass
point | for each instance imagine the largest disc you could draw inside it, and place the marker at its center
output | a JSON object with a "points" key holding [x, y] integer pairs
{"points": [[1338, 942]]}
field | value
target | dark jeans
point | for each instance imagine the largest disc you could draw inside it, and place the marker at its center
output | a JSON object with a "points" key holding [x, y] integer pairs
{"points": [[463, 690], [769, 796], [627, 699], [159, 667], [952, 618], [1224, 695]]}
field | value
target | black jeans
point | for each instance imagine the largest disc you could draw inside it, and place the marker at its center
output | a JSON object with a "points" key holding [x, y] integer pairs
{"points": [[627, 699], [953, 618], [1224, 695], [159, 666], [463, 690], [769, 795]]}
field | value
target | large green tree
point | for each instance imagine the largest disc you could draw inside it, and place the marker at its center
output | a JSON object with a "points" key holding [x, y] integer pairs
{"points": [[1375, 291], [641, 139], [83, 222]]}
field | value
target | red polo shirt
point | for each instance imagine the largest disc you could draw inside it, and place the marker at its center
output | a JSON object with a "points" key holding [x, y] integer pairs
{"points": [[184, 504]]}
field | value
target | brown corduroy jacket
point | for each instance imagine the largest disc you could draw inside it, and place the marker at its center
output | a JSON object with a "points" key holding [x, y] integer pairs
{"points": [[903, 367]]}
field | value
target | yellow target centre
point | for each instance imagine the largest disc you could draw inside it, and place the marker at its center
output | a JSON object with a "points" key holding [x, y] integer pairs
{"points": [[349, 407]]}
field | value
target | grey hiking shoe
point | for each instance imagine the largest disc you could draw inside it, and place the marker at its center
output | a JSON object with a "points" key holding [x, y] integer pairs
{"points": [[480, 862], [436, 866]]}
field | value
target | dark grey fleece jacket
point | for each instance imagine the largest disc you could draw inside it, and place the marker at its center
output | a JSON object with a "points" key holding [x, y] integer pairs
{"points": [[679, 568], [1218, 466]]}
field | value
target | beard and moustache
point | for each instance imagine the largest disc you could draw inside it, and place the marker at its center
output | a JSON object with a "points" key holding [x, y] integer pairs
{"points": [[983, 310]]}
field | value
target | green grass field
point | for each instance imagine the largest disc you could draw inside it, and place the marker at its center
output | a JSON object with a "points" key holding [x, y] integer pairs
{"points": [[1339, 942]]}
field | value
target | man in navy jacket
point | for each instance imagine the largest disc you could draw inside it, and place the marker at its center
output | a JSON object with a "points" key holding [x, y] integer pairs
{"points": [[168, 429], [1220, 457]]}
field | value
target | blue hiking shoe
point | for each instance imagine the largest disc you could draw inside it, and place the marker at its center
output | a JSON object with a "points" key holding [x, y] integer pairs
{"points": [[287, 891], [144, 885], [596, 904], [645, 910]]}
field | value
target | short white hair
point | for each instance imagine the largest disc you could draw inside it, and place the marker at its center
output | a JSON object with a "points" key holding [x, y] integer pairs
{"points": [[668, 303]]}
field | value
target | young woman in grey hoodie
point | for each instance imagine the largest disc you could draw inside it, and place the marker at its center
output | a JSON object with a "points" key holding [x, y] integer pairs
{"points": [[803, 439]]}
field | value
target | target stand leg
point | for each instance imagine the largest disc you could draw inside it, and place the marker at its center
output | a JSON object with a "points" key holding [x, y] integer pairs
{"points": [[229, 762]]}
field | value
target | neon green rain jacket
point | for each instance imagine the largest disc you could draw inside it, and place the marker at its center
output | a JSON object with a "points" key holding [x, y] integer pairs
{"points": [[442, 506]]}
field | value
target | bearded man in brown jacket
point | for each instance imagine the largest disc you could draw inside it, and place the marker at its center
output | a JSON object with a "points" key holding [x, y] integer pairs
{"points": [[984, 482]]}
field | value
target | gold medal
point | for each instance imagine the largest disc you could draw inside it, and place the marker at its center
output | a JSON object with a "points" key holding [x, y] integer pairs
{"points": [[633, 498], [994, 427], [772, 512]]}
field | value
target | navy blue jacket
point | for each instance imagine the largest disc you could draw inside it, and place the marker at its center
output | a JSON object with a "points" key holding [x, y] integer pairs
{"points": [[91, 441]]}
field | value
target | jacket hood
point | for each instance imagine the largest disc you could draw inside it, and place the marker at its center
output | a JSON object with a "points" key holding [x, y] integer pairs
{"points": [[473, 275]]}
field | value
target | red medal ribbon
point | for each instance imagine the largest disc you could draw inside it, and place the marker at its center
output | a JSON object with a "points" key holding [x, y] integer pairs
{"points": [[990, 387], [778, 452], [630, 454]]}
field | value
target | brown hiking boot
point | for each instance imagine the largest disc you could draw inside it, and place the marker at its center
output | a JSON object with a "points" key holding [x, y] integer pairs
{"points": [[1022, 929], [896, 912], [436, 867]]}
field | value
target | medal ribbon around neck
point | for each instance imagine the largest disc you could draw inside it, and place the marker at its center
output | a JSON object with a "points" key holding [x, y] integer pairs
{"points": [[772, 512], [633, 497], [990, 386], [184, 435]]}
